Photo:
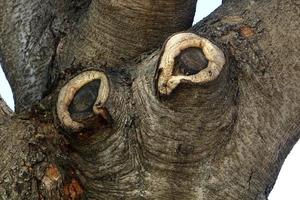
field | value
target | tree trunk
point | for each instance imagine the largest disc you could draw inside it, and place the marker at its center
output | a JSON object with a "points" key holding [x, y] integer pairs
{"points": [[102, 114]]}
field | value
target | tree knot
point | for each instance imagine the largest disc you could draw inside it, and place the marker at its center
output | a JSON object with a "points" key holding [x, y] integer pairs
{"points": [[174, 47]]}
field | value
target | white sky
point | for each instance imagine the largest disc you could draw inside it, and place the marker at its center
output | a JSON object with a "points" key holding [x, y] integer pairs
{"points": [[5, 90], [287, 185]]}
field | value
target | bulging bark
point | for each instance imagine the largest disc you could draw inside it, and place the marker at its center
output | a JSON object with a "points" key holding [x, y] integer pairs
{"points": [[222, 138]]}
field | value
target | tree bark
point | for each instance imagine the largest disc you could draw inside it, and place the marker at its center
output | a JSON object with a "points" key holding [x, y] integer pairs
{"points": [[225, 138], [4, 109]]}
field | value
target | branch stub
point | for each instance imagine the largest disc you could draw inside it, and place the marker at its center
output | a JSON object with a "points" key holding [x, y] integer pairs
{"points": [[68, 92], [167, 82]]}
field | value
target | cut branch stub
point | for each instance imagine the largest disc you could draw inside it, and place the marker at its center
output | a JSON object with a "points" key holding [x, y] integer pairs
{"points": [[67, 95], [174, 46]]}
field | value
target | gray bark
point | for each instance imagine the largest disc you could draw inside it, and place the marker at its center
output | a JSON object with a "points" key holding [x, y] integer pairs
{"points": [[42, 33], [226, 139]]}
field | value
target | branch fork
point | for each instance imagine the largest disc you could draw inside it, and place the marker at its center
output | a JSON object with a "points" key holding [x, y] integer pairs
{"points": [[167, 82]]}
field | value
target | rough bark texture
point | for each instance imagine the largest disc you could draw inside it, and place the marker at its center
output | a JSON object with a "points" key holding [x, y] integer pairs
{"points": [[30, 31], [50, 36], [4, 109], [226, 139]]}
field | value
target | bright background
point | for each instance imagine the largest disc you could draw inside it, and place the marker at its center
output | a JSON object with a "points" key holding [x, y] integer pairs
{"points": [[287, 185]]}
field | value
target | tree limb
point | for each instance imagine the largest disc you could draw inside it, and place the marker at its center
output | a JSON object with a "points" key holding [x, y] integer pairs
{"points": [[33, 51], [256, 121], [4, 109], [28, 39], [114, 32]]}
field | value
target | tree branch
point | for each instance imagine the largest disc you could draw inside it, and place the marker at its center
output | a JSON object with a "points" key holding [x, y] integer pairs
{"points": [[248, 131], [115, 31], [4, 109], [29, 32]]}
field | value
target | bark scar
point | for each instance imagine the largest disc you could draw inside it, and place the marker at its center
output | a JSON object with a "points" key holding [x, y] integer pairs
{"points": [[167, 82], [68, 92], [51, 177]]}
